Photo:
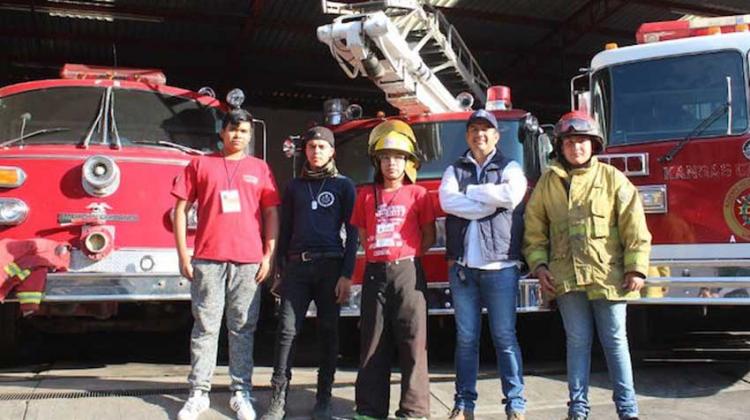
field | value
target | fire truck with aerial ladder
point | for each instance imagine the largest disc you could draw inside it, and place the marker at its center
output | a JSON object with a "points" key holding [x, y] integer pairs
{"points": [[693, 174], [410, 51], [87, 162]]}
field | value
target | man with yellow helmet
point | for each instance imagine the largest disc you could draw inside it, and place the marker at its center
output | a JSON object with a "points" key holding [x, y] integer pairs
{"points": [[398, 136], [396, 223]]}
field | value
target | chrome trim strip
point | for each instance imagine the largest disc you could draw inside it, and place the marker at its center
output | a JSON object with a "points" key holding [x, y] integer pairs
{"points": [[738, 282], [129, 159], [692, 301], [720, 255]]}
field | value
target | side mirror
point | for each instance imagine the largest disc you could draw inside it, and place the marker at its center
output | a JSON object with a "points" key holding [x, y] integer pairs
{"points": [[537, 146]]}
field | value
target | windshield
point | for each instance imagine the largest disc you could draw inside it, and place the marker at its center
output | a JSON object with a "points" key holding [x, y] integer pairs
{"points": [[441, 144], [667, 98], [140, 116]]}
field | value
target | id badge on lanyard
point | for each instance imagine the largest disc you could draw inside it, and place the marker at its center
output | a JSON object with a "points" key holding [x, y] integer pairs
{"points": [[230, 201], [230, 198]]}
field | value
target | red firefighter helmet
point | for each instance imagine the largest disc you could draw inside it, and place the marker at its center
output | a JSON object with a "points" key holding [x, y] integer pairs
{"points": [[581, 124]]}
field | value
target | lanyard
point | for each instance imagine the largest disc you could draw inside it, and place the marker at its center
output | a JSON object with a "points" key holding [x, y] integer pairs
{"points": [[226, 169], [377, 197]]}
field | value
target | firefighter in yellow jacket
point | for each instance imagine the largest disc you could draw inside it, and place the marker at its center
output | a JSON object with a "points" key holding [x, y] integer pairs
{"points": [[587, 242]]}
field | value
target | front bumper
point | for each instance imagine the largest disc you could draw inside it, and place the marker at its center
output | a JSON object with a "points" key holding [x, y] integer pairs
{"points": [[126, 275], [440, 301], [115, 287]]}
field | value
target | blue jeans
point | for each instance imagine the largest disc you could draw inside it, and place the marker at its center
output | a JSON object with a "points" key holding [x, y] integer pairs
{"points": [[497, 290], [579, 315]]}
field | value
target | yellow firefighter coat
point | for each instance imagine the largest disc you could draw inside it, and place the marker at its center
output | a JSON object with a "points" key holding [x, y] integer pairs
{"points": [[590, 236]]}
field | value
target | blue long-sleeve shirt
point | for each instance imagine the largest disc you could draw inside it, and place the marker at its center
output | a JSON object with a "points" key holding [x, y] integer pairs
{"points": [[319, 229]]}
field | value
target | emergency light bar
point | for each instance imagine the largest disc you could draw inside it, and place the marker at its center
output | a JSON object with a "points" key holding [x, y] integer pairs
{"points": [[498, 98], [82, 71], [676, 29]]}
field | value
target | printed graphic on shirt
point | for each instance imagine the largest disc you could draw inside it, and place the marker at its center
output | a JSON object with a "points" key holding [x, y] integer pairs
{"points": [[388, 219], [250, 179], [326, 199]]}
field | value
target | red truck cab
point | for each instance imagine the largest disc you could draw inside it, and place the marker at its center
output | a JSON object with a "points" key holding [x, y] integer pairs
{"points": [[88, 161]]}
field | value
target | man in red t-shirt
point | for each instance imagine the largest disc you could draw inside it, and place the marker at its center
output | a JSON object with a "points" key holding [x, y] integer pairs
{"points": [[236, 200], [396, 223]]}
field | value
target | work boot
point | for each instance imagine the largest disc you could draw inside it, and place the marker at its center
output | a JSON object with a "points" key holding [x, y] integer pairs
{"points": [[576, 417], [461, 414], [278, 403], [322, 410]]}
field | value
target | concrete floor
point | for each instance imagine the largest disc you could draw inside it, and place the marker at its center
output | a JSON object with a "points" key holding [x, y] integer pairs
{"points": [[157, 391]]}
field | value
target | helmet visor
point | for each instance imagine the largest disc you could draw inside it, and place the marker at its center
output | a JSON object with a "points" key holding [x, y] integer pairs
{"points": [[575, 125]]}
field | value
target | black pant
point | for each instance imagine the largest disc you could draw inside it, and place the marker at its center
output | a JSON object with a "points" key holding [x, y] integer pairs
{"points": [[394, 317], [305, 281]]}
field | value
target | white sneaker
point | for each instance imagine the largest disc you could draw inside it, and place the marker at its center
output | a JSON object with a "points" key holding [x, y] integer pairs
{"points": [[240, 403], [197, 403]]}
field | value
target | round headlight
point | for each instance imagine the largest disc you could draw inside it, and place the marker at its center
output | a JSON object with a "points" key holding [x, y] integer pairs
{"points": [[235, 98], [207, 91], [465, 100], [12, 211], [101, 176]]}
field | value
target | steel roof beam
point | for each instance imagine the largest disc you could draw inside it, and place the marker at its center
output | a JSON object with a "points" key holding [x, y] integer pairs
{"points": [[158, 15], [538, 22], [590, 15], [121, 12], [197, 46]]}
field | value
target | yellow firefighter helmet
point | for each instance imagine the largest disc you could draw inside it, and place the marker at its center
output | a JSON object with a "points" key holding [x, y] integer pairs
{"points": [[394, 135]]}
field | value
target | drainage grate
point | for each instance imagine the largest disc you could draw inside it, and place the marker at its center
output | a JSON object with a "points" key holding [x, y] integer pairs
{"points": [[28, 396]]}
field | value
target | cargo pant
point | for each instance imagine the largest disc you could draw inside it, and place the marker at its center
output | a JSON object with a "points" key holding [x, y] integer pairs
{"points": [[393, 317], [218, 288], [305, 281]]}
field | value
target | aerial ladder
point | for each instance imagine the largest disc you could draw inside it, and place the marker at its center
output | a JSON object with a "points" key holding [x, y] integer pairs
{"points": [[409, 50]]}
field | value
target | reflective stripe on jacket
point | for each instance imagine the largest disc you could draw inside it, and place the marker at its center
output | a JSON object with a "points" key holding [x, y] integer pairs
{"points": [[589, 236]]}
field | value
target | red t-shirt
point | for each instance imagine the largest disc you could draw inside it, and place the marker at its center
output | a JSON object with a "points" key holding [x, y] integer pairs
{"points": [[394, 231], [232, 232]]}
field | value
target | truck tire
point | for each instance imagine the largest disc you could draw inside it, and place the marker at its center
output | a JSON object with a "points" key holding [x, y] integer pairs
{"points": [[9, 333]]}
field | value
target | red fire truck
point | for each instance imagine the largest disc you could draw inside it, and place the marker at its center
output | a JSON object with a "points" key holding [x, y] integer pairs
{"points": [[87, 161], [674, 112], [426, 71]]}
